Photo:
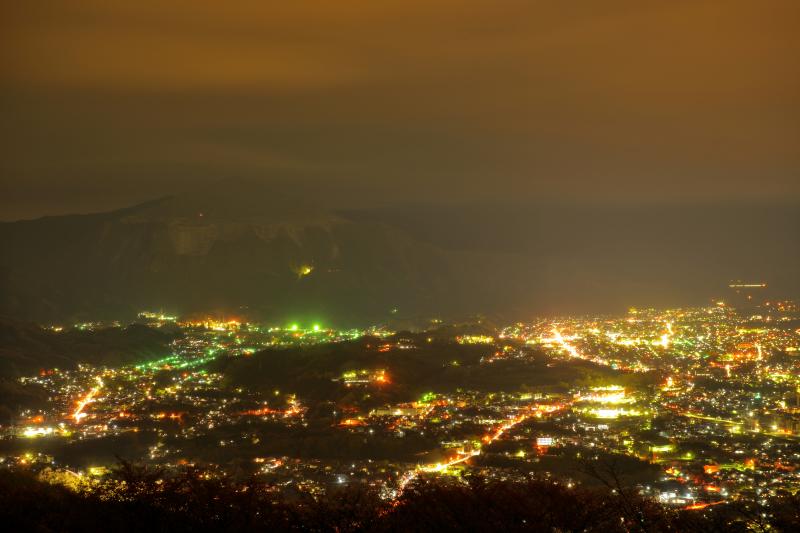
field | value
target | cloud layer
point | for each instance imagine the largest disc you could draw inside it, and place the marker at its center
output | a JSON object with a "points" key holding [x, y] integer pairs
{"points": [[107, 103]]}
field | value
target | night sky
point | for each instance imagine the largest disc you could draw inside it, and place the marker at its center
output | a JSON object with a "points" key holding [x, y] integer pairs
{"points": [[105, 104]]}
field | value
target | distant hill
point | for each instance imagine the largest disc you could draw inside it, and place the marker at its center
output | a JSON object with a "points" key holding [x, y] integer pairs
{"points": [[26, 348], [273, 252], [263, 254], [422, 366]]}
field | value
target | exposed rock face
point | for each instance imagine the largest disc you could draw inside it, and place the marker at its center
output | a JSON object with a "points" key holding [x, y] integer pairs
{"points": [[192, 239]]}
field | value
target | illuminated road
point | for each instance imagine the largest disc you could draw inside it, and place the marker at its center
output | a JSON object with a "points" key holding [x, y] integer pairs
{"points": [[78, 414], [689, 414], [699, 506], [573, 352], [534, 410], [570, 349]]}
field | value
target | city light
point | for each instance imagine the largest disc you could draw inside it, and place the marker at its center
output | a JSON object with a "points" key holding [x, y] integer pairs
{"points": [[645, 369]]}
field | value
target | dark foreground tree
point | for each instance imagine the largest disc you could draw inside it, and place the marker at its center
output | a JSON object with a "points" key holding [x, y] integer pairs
{"points": [[141, 499]]}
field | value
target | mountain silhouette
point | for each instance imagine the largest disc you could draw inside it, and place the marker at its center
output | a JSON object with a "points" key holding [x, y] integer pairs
{"points": [[231, 249]]}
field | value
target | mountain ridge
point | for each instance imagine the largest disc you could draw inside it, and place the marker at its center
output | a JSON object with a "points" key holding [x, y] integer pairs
{"points": [[200, 252]]}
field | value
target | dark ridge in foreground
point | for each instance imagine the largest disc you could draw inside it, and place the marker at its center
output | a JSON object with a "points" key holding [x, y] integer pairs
{"points": [[147, 502]]}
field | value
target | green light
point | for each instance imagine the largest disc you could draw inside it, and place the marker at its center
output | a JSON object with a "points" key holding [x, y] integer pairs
{"points": [[316, 327], [427, 397], [293, 327]]}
